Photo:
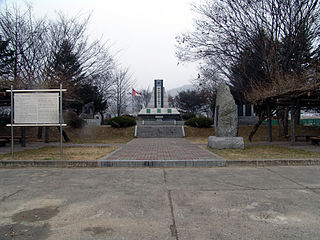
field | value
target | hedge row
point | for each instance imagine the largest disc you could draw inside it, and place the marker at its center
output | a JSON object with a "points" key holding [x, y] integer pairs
{"points": [[200, 122], [122, 121]]}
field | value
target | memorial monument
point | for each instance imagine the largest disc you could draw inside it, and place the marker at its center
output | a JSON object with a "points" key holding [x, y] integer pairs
{"points": [[158, 107], [225, 121]]}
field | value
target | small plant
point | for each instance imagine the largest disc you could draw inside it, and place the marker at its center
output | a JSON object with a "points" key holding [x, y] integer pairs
{"points": [[122, 121], [200, 122], [77, 122]]}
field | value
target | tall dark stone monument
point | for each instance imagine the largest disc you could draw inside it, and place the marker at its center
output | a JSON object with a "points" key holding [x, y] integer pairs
{"points": [[159, 97], [158, 107]]}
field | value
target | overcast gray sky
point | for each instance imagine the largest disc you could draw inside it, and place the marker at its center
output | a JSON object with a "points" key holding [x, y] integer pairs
{"points": [[143, 30]]}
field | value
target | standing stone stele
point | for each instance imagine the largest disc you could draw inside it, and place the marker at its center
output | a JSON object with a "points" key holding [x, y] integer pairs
{"points": [[225, 121], [226, 114]]}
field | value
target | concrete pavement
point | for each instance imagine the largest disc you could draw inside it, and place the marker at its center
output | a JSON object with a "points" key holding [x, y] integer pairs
{"points": [[154, 203]]}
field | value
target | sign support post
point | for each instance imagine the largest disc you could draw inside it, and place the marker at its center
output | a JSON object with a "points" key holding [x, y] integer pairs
{"points": [[12, 141], [61, 121], [36, 108]]}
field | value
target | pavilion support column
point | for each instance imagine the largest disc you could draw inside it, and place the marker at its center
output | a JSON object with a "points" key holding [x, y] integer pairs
{"points": [[269, 122], [293, 122]]}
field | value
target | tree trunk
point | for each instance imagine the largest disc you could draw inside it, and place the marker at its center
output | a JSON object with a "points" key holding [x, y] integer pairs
{"points": [[262, 117], [102, 117], [64, 134], [293, 124]]}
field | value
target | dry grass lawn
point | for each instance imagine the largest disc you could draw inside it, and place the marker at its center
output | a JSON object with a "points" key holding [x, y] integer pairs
{"points": [[200, 135], [88, 134], [102, 134], [264, 152], [69, 153], [198, 140]]}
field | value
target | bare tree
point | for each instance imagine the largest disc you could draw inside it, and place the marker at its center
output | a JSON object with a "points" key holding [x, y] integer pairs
{"points": [[121, 86], [224, 29], [93, 57], [27, 38], [49, 52], [264, 47], [146, 96], [191, 101]]}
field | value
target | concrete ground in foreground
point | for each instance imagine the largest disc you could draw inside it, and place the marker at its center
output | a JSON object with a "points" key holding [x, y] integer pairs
{"points": [[160, 203], [161, 149]]}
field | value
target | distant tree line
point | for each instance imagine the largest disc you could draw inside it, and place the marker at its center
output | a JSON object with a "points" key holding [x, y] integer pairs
{"points": [[44, 53]]}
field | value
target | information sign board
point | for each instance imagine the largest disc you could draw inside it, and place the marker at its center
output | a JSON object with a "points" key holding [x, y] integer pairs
{"points": [[39, 108]]}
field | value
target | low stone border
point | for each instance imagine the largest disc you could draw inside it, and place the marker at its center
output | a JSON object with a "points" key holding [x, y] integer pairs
{"points": [[272, 162], [46, 163], [111, 163], [163, 163], [157, 163]]}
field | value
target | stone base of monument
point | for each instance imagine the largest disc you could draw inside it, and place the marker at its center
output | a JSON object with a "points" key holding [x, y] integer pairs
{"points": [[226, 142]]}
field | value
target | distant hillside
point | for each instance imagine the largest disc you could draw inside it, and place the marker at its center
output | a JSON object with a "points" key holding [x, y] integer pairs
{"points": [[174, 92]]}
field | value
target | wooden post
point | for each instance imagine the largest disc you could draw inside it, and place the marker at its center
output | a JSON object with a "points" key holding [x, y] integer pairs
{"points": [[39, 132], [23, 136], [46, 134], [269, 122], [293, 122], [12, 131]]}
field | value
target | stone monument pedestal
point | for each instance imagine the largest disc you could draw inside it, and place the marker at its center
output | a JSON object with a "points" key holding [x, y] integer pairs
{"points": [[226, 142]]}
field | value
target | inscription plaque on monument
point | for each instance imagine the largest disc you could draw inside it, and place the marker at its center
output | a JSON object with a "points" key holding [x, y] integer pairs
{"points": [[36, 108]]}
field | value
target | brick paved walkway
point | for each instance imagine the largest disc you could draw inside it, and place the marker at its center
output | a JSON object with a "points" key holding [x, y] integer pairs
{"points": [[161, 149]]}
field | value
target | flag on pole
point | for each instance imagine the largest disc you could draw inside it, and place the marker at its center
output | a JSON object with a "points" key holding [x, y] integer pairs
{"points": [[135, 93]]}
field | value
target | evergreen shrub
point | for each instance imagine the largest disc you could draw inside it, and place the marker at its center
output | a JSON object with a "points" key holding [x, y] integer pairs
{"points": [[122, 121], [187, 116], [200, 122]]}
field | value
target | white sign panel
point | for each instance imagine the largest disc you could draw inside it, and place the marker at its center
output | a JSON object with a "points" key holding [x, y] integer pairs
{"points": [[36, 108]]}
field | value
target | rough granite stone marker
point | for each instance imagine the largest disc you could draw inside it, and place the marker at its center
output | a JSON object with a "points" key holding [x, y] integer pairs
{"points": [[226, 117], [225, 121]]}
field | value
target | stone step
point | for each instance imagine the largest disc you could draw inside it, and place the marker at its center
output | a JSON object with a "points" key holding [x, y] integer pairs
{"points": [[159, 131], [168, 122]]}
